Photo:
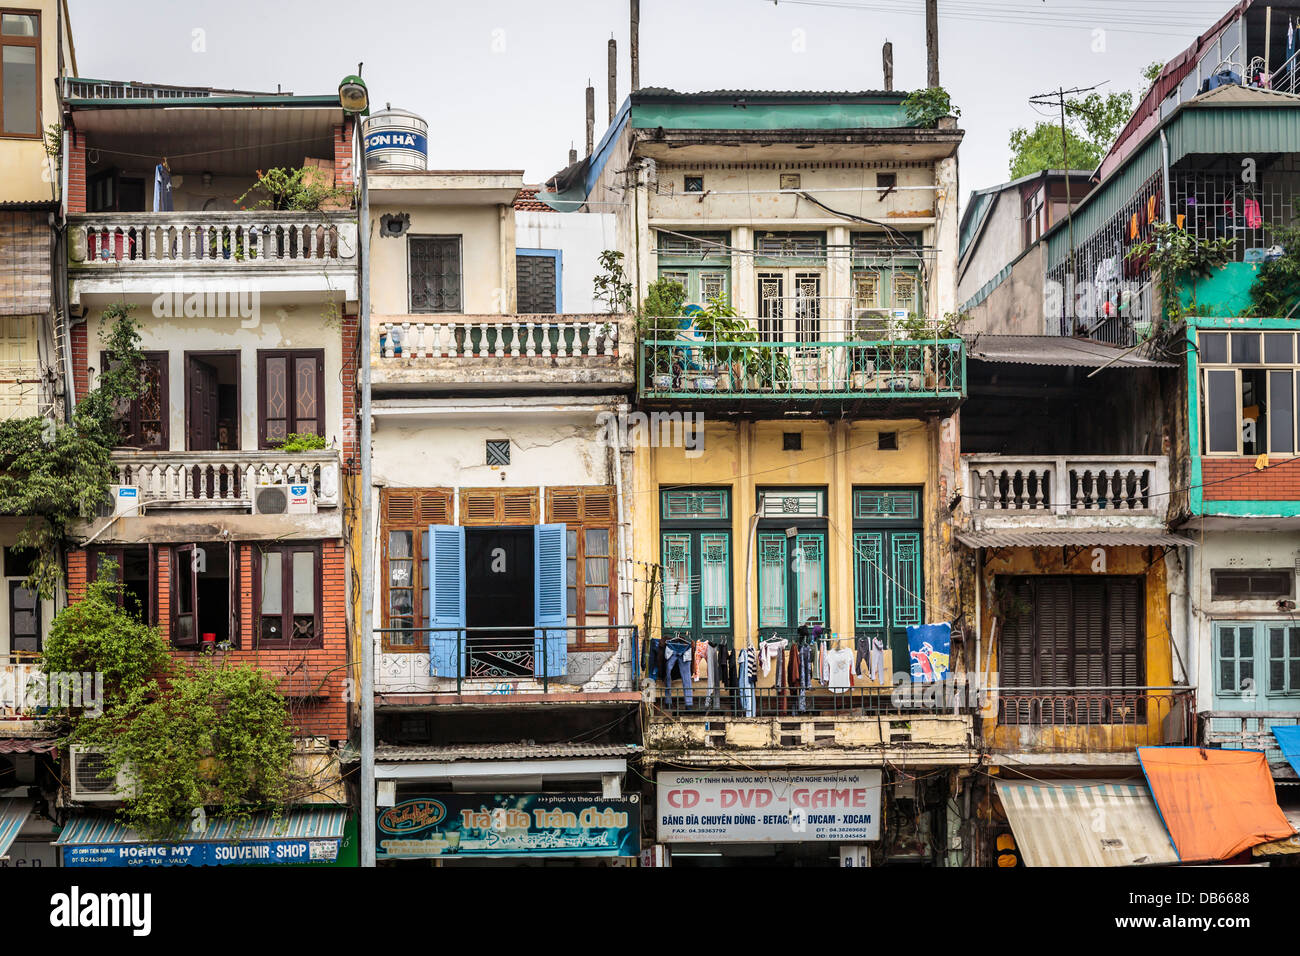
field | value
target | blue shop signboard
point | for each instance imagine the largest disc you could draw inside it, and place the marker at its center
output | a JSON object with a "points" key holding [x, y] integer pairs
{"points": [[526, 824], [202, 854]]}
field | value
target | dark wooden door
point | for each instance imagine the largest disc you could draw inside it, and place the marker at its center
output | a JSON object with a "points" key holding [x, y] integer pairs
{"points": [[202, 410]]}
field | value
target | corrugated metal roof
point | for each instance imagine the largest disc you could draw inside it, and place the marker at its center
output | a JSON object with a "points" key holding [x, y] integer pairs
{"points": [[304, 824], [1055, 350], [1139, 537], [1058, 823], [771, 94], [13, 813], [519, 751], [27, 745]]}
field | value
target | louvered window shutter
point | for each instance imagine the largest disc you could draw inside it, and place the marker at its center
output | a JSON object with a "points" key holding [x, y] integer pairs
{"points": [[550, 644], [444, 569]]}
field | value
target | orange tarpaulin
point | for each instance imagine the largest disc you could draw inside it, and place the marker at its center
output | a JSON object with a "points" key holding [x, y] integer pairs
{"points": [[1215, 803]]}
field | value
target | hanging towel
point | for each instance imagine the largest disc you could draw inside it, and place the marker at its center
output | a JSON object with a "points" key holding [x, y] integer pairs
{"points": [[1151, 209], [1133, 227], [1254, 219], [1181, 220]]}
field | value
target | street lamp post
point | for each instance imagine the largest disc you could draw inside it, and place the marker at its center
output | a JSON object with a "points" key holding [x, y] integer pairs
{"points": [[355, 101]]}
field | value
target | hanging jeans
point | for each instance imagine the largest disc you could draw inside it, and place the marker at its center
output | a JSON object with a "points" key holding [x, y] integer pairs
{"points": [[656, 672], [677, 657], [805, 674], [745, 681]]}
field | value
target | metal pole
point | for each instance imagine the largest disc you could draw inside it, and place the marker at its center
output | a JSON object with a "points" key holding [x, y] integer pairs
{"points": [[1069, 208], [367, 822]]}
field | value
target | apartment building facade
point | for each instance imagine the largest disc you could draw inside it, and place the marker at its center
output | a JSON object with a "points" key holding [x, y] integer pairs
{"points": [[795, 453], [506, 692]]}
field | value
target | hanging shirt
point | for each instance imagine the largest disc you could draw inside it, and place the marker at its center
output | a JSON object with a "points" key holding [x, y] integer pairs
{"points": [[1133, 227], [839, 665], [1254, 219], [701, 669], [877, 660], [162, 189]]}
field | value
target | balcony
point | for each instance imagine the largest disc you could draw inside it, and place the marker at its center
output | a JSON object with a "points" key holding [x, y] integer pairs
{"points": [[151, 253], [1080, 721], [216, 479], [1250, 730], [516, 352], [892, 376], [1092, 492], [23, 694], [503, 666], [825, 726]]}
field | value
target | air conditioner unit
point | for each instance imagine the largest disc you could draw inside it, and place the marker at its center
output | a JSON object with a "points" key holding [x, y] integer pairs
{"points": [[284, 498], [87, 784], [126, 501]]}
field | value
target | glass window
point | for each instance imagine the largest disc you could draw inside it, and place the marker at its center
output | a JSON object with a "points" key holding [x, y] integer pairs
{"points": [[20, 66], [289, 388], [1278, 348], [19, 25], [771, 580], [1213, 347], [677, 580], [810, 578], [715, 597], [1221, 424], [1245, 348], [289, 596]]}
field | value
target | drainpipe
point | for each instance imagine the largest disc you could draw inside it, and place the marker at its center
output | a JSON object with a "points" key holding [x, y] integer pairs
{"points": [[749, 568], [1164, 149], [367, 823], [1192, 631], [624, 559]]}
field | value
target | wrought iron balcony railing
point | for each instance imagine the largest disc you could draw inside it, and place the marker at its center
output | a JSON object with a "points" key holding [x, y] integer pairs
{"points": [[1098, 719], [514, 660], [677, 363]]}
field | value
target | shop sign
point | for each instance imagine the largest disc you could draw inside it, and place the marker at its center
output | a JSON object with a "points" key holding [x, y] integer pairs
{"points": [[255, 852], [777, 807], [525, 824]]}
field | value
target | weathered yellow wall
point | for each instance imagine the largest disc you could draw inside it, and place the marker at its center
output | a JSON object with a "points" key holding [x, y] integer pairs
{"points": [[745, 456], [1159, 649], [26, 173]]}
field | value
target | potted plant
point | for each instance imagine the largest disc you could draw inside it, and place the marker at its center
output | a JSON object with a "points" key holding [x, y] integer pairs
{"points": [[662, 307]]}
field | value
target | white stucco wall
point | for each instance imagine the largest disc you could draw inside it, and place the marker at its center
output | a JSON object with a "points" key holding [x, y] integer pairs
{"points": [[581, 239]]}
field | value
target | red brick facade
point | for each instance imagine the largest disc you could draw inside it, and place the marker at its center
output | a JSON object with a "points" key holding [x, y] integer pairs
{"points": [[1237, 479], [80, 359], [77, 172], [313, 680], [343, 154]]}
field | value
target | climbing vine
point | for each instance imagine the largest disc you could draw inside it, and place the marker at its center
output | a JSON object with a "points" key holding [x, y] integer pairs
{"points": [[1178, 257], [1276, 290], [211, 734], [54, 473]]}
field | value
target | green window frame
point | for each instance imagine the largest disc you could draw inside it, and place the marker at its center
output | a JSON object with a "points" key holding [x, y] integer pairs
{"points": [[1283, 649], [772, 587], [1234, 651], [695, 542], [869, 579], [888, 566]]}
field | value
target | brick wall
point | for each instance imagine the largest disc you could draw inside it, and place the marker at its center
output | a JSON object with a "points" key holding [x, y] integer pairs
{"points": [[324, 712], [77, 173], [80, 334], [1237, 479], [343, 153]]}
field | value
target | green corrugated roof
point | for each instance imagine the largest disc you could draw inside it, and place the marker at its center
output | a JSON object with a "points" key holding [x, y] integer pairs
{"points": [[762, 109]]}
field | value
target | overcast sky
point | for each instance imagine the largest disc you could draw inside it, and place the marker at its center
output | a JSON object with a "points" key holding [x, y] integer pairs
{"points": [[501, 81]]}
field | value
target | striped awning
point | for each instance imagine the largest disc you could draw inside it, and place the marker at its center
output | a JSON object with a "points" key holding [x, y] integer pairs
{"points": [[303, 824], [1073, 537], [307, 835], [1085, 823], [13, 813]]}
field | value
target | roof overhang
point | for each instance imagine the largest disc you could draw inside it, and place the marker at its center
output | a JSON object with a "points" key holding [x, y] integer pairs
{"points": [[1056, 350], [500, 772], [899, 144], [462, 187], [1136, 537], [223, 140]]}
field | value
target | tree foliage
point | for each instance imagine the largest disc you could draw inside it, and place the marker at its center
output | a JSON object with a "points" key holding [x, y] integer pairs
{"points": [[53, 473], [1276, 290], [204, 735], [925, 106], [1092, 123], [98, 634]]}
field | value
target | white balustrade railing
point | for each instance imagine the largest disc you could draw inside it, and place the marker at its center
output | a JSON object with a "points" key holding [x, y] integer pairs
{"points": [[1067, 485], [496, 336], [235, 239], [21, 683], [224, 479]]}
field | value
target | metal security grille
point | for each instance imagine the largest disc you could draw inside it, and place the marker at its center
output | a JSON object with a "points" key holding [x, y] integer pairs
{"points": [[498, 452], [435, 273], [535, 279], [1217, 202]]}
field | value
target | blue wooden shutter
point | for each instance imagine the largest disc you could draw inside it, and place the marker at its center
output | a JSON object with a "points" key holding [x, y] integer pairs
{"points": [[444, 572], [549, 601]]}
